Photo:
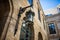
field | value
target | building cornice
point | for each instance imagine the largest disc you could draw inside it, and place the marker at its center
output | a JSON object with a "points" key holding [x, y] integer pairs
{"points": [[53, 15]]}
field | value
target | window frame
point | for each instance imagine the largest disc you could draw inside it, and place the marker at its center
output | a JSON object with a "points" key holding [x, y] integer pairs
{"points": [[49, 28], [56, 27]]}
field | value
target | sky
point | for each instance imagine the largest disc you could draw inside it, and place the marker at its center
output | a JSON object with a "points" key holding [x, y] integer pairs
{"points": [[47, 4]]}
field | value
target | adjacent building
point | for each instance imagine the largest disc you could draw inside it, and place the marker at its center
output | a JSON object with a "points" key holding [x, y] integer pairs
{"points": [[53, 24]]}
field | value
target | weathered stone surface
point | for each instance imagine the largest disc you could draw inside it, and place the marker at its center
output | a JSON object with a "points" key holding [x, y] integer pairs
{"points": [[38, 26]]}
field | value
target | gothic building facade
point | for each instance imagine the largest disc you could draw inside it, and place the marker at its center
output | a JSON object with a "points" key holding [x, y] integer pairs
{"points": [[22, 20]]}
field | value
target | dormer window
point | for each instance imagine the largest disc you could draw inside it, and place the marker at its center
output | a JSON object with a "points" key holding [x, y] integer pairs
{"points": [[30, 16]]}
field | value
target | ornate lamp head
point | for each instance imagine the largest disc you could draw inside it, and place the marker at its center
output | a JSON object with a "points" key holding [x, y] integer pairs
{"points": [[30, 16]]}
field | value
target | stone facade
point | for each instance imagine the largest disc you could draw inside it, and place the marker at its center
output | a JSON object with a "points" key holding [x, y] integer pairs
{"points": [[12, 9], [56, 20]]}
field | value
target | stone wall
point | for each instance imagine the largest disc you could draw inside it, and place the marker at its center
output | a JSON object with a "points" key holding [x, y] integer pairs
{"points": [[8, 34], [54, 19]]}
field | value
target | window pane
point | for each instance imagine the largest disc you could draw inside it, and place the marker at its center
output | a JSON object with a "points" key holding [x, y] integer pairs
{"points": [[25, 33], [52, 28], [30, 2]]}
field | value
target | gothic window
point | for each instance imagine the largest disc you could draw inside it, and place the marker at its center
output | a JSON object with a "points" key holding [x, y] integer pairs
{"points": [[52, 28], [25, 32]]}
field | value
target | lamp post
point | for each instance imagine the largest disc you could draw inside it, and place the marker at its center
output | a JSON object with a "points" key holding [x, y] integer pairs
{"points": [[23, 9], [19, 15]]}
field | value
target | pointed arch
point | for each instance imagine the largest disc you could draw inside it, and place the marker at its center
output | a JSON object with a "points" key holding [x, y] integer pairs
{"points": [[40, 36], [27, 32]]}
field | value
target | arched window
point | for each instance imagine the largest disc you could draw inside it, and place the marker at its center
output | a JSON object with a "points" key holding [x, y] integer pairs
{"points": [[26, 32], [40, 36]]}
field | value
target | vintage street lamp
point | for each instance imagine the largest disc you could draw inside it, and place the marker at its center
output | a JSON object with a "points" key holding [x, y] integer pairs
{"points": [[19, 15], [30, 16]]}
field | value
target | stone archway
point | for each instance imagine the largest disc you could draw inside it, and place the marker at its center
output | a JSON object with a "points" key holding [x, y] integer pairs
{"points": [[27, 32], [4, 12], [40, 36]]}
